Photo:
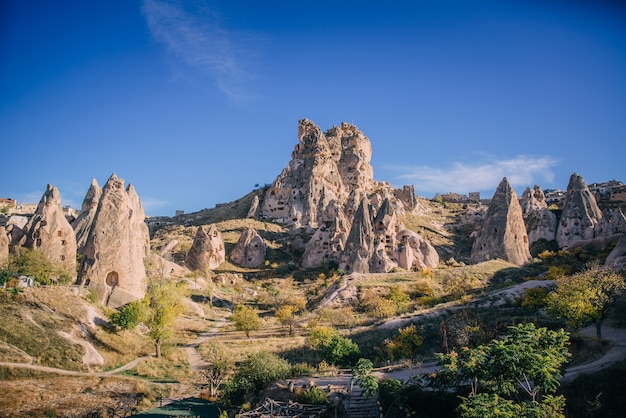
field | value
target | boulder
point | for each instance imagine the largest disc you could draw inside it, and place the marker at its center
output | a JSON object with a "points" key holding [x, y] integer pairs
{"points": [[503, 233], [83, 222], [48, 231], [113, 255], [414, 252], [580, 213], [207, 251], [250, 249]]}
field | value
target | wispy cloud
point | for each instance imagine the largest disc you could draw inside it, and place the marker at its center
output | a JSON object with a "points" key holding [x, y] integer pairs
{"points": [[462, 177], [151, 203], [201, 43]]}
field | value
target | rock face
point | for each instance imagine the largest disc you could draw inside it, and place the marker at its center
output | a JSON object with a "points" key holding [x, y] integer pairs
{"points": [[4, 247], [254, 207], [207, 251], [612, 222], [540, 222], [118, 240], [83, 222], [328, 186], [617, 257], [249, 250], [580, 213], [323, 171], [503, 233], [49, 231]]}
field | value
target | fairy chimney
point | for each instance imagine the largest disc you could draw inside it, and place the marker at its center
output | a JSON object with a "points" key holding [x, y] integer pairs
{"points": [[113, 256], [83, 222], [580, 213], [503, 233], [249, 250], [49, 231], [207, 251]]}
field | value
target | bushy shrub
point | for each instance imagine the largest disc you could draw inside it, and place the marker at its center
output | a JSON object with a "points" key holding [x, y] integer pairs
{"points": [[253, 375], [313, 396]]}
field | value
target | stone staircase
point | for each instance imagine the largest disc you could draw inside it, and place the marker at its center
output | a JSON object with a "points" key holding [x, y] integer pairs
{"points": [[358, 406]]}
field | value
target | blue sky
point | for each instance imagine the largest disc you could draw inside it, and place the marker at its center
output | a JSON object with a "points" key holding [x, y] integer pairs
{"points": [[195, 102]]}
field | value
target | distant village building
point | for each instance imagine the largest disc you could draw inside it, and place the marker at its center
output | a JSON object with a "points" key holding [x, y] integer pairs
{"points": [[454, 198], [179, 212], [7, 205], [554, 196], [612, 190], [474, 197]]}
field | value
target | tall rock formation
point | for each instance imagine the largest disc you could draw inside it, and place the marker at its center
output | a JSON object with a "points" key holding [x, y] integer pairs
{"points": [[617, 257], [113, 256], [250, 249], [254, 207], [540, 222], [83, 222], [49, 231], [327, 243], [323, 170], [503, 233], [359, 246], [4, 247], [580, 213], [207, 251]]}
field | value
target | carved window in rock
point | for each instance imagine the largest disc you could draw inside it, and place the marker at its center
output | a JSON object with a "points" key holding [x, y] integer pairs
{"points": [[62, 257], [63, 242], [112, 279], [525, 239], [44, 223], [59, 233], [38, 242]]}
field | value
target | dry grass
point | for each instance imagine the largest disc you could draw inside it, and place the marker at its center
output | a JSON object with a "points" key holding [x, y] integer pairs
{"points": [[68, 396], [171, 367]]}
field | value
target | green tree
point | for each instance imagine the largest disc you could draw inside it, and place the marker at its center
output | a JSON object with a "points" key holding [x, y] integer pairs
{"points": [[35, 263], [362, 376], [526, 360], [400, 298], [585, 297], [405, 344], [127, 316], [340, 351], [254, 373], [286, 315], [164, 306], [220, 366], [246, 319]]}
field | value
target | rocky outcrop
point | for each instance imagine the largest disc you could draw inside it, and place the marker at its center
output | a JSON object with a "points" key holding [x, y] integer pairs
{"points": [[323, 171], [83, 222], [617, 256], [254, 207], [540, 222], [612, 222], [580, 213], [250, 249], [207, 251], [48, 231], [4, 247], [113, 256], [327, 243], [358, 248], [414, 252], [503, 233]]}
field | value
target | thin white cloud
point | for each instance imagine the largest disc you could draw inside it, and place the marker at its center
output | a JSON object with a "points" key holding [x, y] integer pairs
{"points": [[461, 177], [202, 44], [151, 203]]}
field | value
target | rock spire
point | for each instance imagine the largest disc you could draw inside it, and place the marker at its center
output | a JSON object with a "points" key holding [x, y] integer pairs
{"points": [[580, 213], [82, 224], [503, 233], [540, 222], [49, 231], [207, 251], [249, 250], [118, 240]]}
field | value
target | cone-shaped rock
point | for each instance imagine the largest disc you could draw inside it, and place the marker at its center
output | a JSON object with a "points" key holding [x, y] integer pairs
{"points": [[540, 222], [414, 252], [358, 249], [113, 255], [83, 222], [49, 231], [327, 243], [384, 229], [580, 213], [207, 251], [254, 207], [249, 250], [503, 233], [617, 257], [612, 222]]}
